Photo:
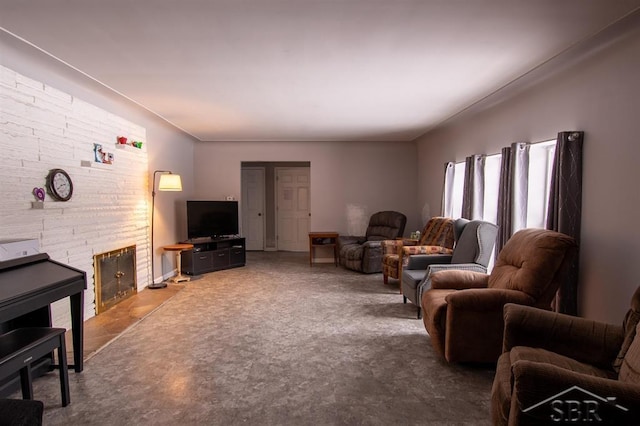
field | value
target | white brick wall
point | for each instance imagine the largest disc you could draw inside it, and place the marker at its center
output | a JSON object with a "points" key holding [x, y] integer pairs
{"points": [[42, 128]]}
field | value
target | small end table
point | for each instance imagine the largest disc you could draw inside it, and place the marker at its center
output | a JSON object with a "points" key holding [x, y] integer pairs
{"points": [[318, 239], [179, 248]]}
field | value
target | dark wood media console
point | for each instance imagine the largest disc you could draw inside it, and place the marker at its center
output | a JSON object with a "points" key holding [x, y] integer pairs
{"points": [[213, 254]]}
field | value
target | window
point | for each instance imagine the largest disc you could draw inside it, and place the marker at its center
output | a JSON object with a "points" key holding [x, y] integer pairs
{"points": [[532, 168]]}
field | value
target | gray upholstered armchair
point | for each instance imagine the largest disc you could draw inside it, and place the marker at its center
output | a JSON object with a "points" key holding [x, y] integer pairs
{"points": [[364, 253], [474, 243]]}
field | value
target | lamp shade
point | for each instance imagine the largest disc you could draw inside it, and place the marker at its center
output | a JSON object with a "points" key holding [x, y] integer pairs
{"points": [[170, 182]]}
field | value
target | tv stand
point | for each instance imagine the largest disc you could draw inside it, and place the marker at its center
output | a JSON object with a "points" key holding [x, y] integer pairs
{"points": [[213, 254]]}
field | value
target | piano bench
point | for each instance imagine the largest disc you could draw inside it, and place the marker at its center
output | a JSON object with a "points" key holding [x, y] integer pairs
{"points": [[19, 348]]}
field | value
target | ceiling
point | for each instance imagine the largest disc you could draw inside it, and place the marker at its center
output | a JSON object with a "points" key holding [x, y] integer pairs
{"points": [[299, 70]]}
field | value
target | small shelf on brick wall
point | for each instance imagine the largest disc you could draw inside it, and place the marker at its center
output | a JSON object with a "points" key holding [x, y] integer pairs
{"points": [[95, 164], [43, 205], [128, 147]]}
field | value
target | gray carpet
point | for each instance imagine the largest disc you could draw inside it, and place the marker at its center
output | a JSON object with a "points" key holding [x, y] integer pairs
{"points": [[274, 343]]}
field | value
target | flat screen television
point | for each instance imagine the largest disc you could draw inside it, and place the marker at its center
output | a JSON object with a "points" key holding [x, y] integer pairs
{"points": [[212, 219]]}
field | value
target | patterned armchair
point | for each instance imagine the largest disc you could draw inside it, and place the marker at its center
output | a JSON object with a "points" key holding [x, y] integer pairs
{"points": [[364, 253], [437, 237]]}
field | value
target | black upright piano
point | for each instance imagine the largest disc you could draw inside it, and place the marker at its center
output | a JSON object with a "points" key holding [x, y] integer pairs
{"points": [[28, 286]]}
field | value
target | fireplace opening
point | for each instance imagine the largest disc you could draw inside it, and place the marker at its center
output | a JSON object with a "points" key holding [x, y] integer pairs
{"points": [[115, 277]]}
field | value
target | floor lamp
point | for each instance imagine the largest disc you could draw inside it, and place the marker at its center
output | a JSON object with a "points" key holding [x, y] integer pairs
{"points": [[168, 182]]}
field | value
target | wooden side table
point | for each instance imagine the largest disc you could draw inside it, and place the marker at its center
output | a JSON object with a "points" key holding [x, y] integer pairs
{"points": [[323, 239], [179, 248]]}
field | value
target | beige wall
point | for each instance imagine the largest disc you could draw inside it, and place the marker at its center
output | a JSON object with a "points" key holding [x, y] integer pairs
{"points": [[600, 95], [372, 175]]}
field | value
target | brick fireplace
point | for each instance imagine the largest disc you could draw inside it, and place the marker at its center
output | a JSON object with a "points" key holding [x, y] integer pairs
{"points": [[46, 128]]}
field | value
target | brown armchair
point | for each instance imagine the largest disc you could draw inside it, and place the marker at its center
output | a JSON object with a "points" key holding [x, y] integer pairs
{"points": [[559, 367], [437, 237], [462, 311]]}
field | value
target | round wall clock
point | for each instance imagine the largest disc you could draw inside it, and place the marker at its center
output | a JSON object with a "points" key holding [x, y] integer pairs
{"points": [[59, 185]]}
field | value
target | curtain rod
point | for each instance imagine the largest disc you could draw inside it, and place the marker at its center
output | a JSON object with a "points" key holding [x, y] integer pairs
{"points": [[530, 143]]}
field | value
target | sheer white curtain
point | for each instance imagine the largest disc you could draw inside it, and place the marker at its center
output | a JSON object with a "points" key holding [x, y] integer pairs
{"points": [[520, 185], [540, 166], [458, 187], [532, 166], [491, 187], [447, 193], [453, 188]]}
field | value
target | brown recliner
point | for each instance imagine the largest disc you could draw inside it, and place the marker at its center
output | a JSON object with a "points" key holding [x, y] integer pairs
{"points": [[364, 253], [560, 369], [463, 309]]}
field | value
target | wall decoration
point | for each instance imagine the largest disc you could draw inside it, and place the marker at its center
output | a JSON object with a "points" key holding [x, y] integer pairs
{"points": [[123, 141], [59, 185], [39, 193], [101, 156]]}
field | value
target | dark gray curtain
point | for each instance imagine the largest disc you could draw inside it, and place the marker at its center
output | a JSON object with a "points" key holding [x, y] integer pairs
{"points": [[513, 191], [504, 200], [565, 208], [473, 191], [467, 190]]}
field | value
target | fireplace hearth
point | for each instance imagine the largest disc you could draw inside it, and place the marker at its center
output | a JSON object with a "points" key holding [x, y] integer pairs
{"points": [[114, 277]]}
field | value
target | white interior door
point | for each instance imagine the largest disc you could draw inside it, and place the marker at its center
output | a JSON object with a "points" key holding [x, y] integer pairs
{"points": [[293, 208], [253, 216]]}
